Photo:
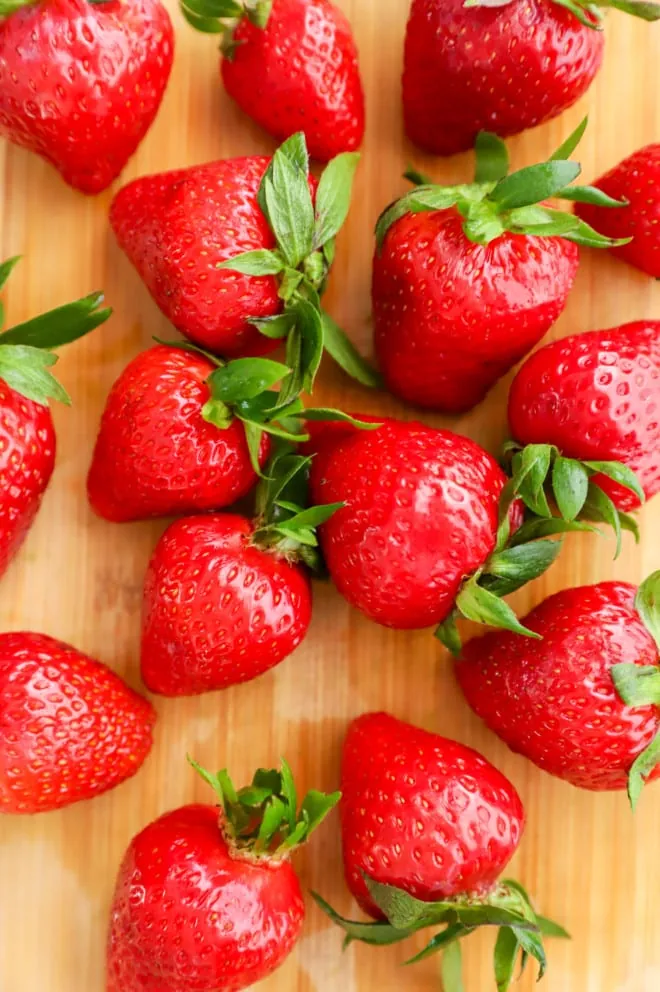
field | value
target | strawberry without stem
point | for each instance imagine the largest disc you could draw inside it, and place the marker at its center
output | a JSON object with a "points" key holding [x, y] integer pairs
{"points": [[428, 825], [27, 435], [81, 82], [222, 881], [467, 279], [69, 727], [637, 181], [505, 67], [583, 704], [235, 254], [424, 535], [291, 65]]}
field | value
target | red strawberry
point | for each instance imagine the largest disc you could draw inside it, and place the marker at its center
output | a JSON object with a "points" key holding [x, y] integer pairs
{"points": [[467, 279], [428, 825], [291, 65], [207, 900], [70, 728], [81, 82], [235, 254], [503, 66], [416, 539], [225, 600], [595, 397], [27, 435], [159, 452], [584, 703], [637, 181]]}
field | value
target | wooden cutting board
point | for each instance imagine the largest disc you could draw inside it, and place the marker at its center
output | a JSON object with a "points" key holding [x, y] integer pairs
{"points": [[586, 859]]}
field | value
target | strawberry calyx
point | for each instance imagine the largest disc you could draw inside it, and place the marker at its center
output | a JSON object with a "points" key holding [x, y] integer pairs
{"points": [[507, 907], [639, 685], [305, 234], [546, 481], [26, 350], [222, 16], [285, 524], [262, 820], [589, 12], [499, 201]]}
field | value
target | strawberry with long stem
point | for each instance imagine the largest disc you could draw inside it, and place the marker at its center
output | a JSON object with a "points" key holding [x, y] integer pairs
{"points": [[27, 433], [468, 278], [291, 65], [226, 598], [220, 878], [237, 254], [428, 826]]}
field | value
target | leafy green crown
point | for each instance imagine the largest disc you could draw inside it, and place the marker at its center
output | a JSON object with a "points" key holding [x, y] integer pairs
{"points": [[26, 355], [263, 819], [507, 907], [591, 12], [497, 201], [221, 16], [639, 685]]}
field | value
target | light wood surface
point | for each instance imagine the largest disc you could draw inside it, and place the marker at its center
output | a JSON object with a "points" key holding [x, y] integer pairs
{"points": [[587, 861]]}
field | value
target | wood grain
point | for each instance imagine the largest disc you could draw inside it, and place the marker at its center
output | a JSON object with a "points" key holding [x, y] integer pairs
{"points": [[587, 861]]}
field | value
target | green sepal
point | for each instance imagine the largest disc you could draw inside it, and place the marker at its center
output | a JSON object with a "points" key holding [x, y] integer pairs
{"points": [[26, 370], [647, 604], [221, 16], [448, 634], [261, 819], [497, 202], [644, 764], [637, 685], [476, 603]]}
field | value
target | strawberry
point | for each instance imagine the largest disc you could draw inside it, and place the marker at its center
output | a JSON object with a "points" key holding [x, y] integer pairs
{"points": [[585, 703], [467, 279], [70, 728], [419, 539], [636, 180], [506, 65], [81, 82], [206, 898], [587, 405], [235, 254], [226, 599], [27, 434], [428, 825], [160, 450], [291, 65]]}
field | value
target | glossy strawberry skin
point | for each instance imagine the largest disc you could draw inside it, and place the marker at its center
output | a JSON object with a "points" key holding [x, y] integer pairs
{"points": [[422, 813], [217, 609], [80, 83], [155, 454], [70, 728], [596, 397], [451, 316], [501, 69], [27, 458], [189, 917], [420, 516], [177, 226], [554, 700], [637, 180], [300, 73]]}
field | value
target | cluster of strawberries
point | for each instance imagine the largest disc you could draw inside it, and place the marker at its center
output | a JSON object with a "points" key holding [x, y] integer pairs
{"points": [[416, 527]]}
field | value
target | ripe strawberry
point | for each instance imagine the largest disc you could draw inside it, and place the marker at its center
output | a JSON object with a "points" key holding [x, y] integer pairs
{"points": [[226, 599], [588, 405], [70, 728], [291, 65], [160, 450], [467, 279], [419, 538], [81, 82], [506, 66], [206, 899], [637, 181], [428, 825], [584, 704], [235, 254], [27, 435]]}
